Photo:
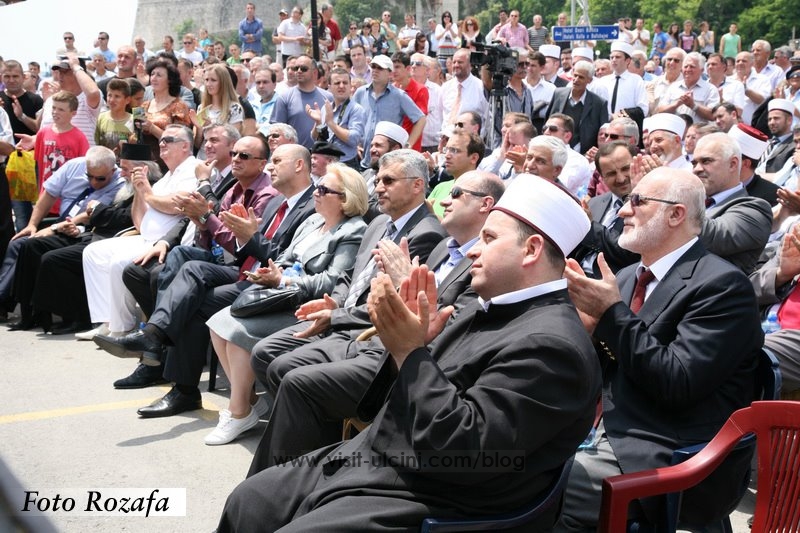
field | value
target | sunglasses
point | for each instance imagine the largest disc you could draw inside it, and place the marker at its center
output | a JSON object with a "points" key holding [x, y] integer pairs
{"points": [[274, 135], [102, 38], [353, 27], [523, 64], [417, 63], [244, 156], [637, 199], [457, 192], [323, 191], [187, 42], [246, 59], [169, 139], [95, 178], [615, 136], [388, 180], [69, 38], [301, 68], [551, 127]]}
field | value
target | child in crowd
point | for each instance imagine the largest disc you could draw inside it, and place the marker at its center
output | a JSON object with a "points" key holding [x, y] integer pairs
{"points": [[116, 124]]}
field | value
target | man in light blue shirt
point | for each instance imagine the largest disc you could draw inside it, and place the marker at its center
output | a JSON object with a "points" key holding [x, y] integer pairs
{"points": [[251, 29]]}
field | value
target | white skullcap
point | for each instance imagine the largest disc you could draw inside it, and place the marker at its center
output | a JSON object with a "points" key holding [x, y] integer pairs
{"points": [[667, 122], [781, 104], [548, 208], [392, 131], [584, 52], [751, 141], [551, 50], [622, 46]]}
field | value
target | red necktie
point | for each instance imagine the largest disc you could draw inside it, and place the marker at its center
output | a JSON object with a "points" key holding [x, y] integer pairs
{"points": [[789, 311], [273, 227], [641, 289]]}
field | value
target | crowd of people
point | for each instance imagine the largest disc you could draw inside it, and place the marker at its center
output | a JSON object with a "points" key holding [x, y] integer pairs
{"points": [[369, 235]]}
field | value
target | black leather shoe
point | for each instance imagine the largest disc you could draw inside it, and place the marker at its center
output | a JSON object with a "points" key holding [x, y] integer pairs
{"points": [[23, 325], [143, 376], [68, 328], [173, 403], [131, 345]]}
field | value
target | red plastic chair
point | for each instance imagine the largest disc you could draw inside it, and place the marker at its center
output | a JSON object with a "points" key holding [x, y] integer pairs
{"points": [[776, 425]]}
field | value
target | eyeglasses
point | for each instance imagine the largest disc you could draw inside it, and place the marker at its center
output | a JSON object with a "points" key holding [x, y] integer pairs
{"points": [[551, 127], [102, 38], [451, 150], [388, 180], [244, 156], [169, 139], [69, 38], [353, 27], [301, 68], [95, 178], [187, 42], [637, 199], [457, 192], [246, 59], [274, 135], [422, 64], [523, 64], [615, 136], [323, 190]]}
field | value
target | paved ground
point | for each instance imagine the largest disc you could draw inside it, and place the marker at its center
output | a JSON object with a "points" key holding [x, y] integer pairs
{"points": [[63, 426]]}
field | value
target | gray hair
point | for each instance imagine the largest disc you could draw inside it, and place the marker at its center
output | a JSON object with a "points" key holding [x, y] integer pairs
{"points": [[692, 194], [629, 127], [185, 133], [586, 66], [411, 162], [555, 145], [697, 57], [724, 145], [100, 156], [230, 133], [284, 129]]}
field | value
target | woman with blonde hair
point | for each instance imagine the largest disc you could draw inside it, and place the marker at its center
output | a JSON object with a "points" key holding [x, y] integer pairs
{"points": [[219, 103], [323, 247]]}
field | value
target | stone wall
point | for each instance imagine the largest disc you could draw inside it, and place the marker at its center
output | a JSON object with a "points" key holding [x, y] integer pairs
{"points": [[156, 18]]}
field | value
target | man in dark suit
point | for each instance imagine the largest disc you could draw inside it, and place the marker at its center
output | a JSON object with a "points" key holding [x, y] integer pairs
{"points": [[493, 379], [753, 143], [736, 226], [141, 276], [679, 358], [201, 288], [588, 110], [614, 161], [312, 400], [329, 326], [780, 148]]}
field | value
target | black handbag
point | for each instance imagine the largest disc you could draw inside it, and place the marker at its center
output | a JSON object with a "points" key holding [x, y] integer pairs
{"points": [[258, 300]]}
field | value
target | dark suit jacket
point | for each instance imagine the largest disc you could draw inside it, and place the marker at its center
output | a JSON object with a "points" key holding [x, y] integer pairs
{"points": [[175, 234], [603, 239], [262, 249], [737, 229], [492, 380], [680, 368], [455, 288], [780, 155], [594, 115], [423, 232], [764, 189]]}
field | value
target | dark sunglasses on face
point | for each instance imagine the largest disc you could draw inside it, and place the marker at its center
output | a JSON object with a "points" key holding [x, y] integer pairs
{"points": [[615, 136], [550, 127], [457, 192], [169, 139], [301, 68], [244, 156], [274, 135], [388, 180], [323, 190], [637, 199], [95, 178]]}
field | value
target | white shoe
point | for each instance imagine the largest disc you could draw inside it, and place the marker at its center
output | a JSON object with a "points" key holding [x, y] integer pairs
{"points": [[102, 329], [229, 428], [262, 407]]}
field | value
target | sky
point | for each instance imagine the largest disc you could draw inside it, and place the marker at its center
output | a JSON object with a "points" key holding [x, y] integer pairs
{"points": [[32, 30]]}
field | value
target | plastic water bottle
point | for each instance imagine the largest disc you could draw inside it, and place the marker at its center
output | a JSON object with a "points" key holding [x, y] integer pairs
{"points": [[218, 253], [589, 443], [582, 192], [295, 271], [771, 324]]}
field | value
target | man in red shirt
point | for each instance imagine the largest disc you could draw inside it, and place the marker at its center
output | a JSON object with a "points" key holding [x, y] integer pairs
{"points": [[401, 76]]}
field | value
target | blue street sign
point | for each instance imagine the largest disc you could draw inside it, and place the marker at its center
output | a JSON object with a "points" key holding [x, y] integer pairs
{"points": [[585, 33]]}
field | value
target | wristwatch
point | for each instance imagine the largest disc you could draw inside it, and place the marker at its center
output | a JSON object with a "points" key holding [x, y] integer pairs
{"points": [[205, 216], [54, 228]]}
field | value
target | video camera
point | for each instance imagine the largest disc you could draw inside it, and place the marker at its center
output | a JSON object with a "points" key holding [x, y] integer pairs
{"points": [[499, 58]]}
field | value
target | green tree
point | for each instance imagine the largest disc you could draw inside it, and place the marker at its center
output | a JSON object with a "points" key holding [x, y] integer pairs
{"points": [[181, 29], [772, 20]]}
